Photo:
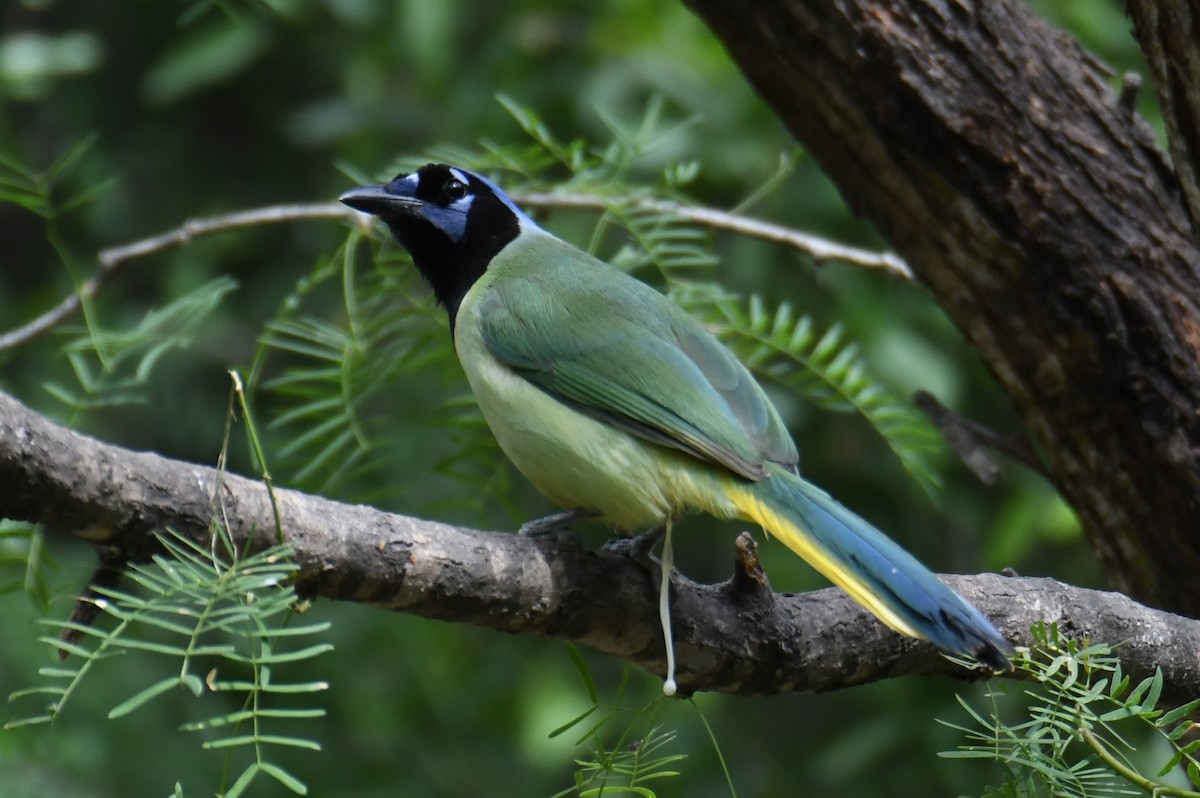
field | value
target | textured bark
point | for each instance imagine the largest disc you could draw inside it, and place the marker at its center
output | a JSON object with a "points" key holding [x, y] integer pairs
{"points": [[991, 152], [1169, 32], [735, 637]]}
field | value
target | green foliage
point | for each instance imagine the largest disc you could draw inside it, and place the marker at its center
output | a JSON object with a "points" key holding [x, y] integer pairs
{"points": [[824, 370], [1076, 740], [222, 620], [23, 562], [113, 367], [334, 373], [637, 760], [34, 190]]}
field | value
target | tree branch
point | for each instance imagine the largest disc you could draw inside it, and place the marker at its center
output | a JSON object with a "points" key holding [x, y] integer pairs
{"points": [[114, 259], [819, 249], [971, 440], [735, 637]]}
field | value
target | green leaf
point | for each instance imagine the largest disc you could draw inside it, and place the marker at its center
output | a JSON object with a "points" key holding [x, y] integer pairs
{"points": [[573, 722], [585, 674], [1120, 713], [241, 716], [146, 645], [193, 683], [295, 656], [67, 646], [57, 673], [273, 687], [41, 690], [1179, 713], [1155, 693], [286, 779], [1142, 689], [263, 739], [143, 696], [243, 781], [30, 721], [292, 631], [83, 629]]}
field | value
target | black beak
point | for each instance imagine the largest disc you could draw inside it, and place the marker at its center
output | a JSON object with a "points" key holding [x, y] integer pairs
{"points": [[377, 201]]}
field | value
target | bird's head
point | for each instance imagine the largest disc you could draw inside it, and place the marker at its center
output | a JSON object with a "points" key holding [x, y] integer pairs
{"points": [[453, 222]]}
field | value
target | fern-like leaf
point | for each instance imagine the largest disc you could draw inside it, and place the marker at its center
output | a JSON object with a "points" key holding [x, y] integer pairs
{"points": [[207, 616], [1074, 741], [820, 368], [113, 367], [336, 372]]}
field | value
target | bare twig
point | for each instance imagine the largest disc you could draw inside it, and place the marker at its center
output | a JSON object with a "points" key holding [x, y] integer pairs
{"points": [[970, 440], [112, 260], [819, 249]]}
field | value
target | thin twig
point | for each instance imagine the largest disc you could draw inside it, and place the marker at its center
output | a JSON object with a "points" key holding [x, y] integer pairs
{"points": [[113, 259], [970, 440], [819, 249]]}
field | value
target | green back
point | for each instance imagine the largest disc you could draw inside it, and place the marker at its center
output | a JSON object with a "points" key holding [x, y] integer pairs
{"points": [[614, 348]]}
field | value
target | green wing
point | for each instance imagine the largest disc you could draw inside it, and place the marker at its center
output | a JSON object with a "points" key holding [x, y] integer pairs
{"points": [[618, 350]]}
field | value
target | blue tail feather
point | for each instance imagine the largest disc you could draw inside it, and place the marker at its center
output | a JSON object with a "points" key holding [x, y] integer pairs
{"points": [[874, 569]]}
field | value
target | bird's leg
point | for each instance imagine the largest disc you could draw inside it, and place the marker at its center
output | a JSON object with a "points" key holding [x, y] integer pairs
{"points": [[556, 522], [639, 548], [664, 609]]}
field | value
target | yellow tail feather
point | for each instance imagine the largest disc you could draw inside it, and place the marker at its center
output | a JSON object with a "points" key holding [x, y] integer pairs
{"points": [[752, 508]]}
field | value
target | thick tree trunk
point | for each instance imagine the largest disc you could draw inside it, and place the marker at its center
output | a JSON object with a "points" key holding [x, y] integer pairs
{"points": [[992, 153]]}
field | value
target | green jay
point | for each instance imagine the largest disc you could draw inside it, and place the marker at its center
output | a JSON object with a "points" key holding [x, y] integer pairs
{"points": [[613, 401]]}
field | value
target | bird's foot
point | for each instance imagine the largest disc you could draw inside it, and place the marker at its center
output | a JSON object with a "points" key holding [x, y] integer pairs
{"points": [[555, 523], [639, 546]]}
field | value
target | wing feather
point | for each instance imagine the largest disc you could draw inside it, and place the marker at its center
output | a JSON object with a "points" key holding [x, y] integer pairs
{"points": [[616, 349]]}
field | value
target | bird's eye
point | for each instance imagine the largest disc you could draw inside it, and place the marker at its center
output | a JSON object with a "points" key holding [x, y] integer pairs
{"points": [[454, 189]]}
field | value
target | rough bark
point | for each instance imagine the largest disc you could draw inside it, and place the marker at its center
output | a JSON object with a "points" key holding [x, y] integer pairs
{"points": [[1169, 33], [991, 152], [735, 637]]}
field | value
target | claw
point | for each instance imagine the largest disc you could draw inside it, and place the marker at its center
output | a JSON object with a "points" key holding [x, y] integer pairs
{"points": [[556, 522], [638, 547]]}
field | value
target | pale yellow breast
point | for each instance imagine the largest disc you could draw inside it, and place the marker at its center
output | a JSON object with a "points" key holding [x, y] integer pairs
{"points": [[575, 460]]}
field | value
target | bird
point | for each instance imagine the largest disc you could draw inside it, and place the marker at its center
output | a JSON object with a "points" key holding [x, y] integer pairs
{"points": [[615, 402]]}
